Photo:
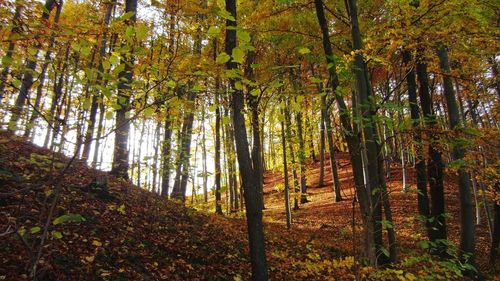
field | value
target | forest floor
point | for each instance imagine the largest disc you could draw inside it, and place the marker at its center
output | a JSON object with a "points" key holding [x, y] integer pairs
{"points": [[126, 233]]}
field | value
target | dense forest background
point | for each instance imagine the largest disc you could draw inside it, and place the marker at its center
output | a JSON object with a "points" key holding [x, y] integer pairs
{"points": [[371, 121]]}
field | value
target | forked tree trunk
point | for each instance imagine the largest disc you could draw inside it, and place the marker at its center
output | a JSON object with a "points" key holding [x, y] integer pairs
{"points": [[435, 166], [351, 138], [249, 177]]}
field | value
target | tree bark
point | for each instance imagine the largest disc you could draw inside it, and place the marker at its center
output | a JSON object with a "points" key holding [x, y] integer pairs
{"points": [[120, 151], [467, 242], [420, 166], [7, 59], [30, 67], [437, 222], [94, 106], [288, 211], [365, 103], [352, 140], [249, 177], [331, 148]]}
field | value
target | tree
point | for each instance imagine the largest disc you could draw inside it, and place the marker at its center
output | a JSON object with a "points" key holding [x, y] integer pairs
{"points": [[120, 152], [249, 177]]}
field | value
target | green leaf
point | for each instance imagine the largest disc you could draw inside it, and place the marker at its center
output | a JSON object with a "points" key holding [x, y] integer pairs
{"points": [[109, 115], [315, 80], [121, 209], [148, 112], [6, 60], [197, 88], [424, 244], [129, 32], [243, 36], [16, 82], [85, 51], [226, 120], [225, 15], [238, 55], [238, 85], [35, 229], [385, 252], [57, 234], [222, 58], [106, 65], [304, 51], [127, 16], [457, 164], [87, 103], [141, 32], [119, 68], [213, 31], [171, 84], [68, 218], [114, 59]]}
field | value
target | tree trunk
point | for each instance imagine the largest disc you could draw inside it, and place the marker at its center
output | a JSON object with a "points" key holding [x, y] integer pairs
{"points": [[253, 102], [180, 184], [165, 155], [94, 106], [321, 181], [120, 151], [364, 92], [249, 177], [467, 242], [288, 130], [351, 138], [331, 148], [437, 222], [31, 65], [420, 166], [302, 159], [288, 211], [218, 207], [204, 154], [496, 237], [7, 59]]}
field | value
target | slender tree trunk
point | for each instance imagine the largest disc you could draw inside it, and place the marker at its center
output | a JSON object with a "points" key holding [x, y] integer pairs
{"points": [[182, 173], [288, 130], [120, 151], [249, 177], [364, 93], [165, 155], [331, 148], [7, 59], [288, 210], [31, 65], [94, 106], [467, 242], [437, 222], [302, 158], [100, 128], [352, 140], [233, 179], [496, 237], [310, 129], [420, 166], [218, 207], [321, 181]]}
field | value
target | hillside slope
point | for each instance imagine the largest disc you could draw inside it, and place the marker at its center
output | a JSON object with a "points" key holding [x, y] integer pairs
{"points": [[125, 233]]}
